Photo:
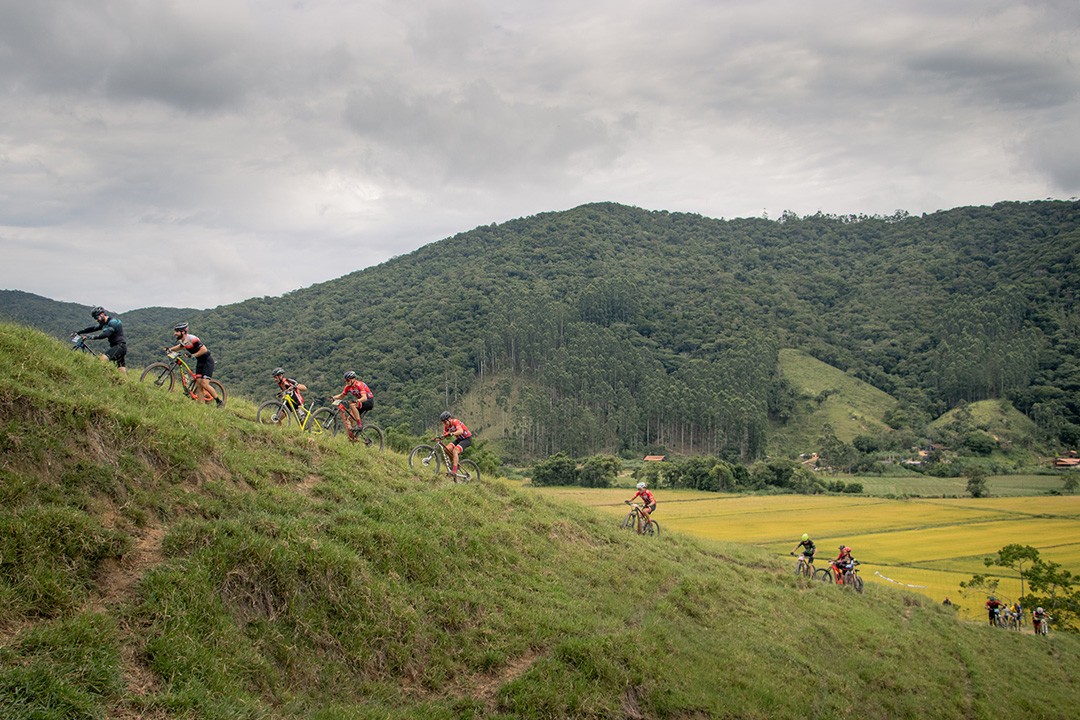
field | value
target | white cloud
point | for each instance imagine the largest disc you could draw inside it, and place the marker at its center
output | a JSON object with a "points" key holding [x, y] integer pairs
{"points": [[340, 133]]}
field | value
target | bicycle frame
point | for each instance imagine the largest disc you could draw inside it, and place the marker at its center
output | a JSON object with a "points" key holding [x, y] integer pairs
{"points": [[161, 374], [286, 405], [78, 343]]}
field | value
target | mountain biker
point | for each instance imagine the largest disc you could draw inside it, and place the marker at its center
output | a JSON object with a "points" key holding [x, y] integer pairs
{"points": [[808, 549], [462, 438], [204, 361], [649, 501], [358, 400], [290, 387], [1018, 613], [993, 607], [110, 328], [844, 561], [1038, 618]]}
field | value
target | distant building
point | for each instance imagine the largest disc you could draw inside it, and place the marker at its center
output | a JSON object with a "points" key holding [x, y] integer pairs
{"points": [[655, 458], [1067, 463]]}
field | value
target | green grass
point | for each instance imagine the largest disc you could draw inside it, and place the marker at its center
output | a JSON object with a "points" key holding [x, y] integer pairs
{"points": [[163, 559], [851, 406]]}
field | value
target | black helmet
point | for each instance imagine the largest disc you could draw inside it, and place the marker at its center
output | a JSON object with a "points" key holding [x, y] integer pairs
{"points": [[180, 327], [96, 311], [279, 371], [350, 375], [445, 415]]}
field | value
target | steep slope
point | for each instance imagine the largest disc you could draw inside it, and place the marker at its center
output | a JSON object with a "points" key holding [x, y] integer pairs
{"points": [[160, 559]]}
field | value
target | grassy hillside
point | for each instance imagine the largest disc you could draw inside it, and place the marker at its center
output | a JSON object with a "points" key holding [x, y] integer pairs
{"points": [[830, 396], [160, 559]]}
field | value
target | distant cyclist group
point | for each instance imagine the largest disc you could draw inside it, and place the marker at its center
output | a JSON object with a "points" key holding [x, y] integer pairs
{"points": [[843, 570], [355, 397]]}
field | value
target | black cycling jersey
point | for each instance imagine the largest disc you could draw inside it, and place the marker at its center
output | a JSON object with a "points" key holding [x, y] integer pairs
{"points": [[112, 329]]}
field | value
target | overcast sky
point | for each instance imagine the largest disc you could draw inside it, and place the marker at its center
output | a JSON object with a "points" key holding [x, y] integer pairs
{"points": [[201, 152]]}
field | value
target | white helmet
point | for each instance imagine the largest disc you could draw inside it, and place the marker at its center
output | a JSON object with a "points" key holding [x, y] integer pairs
{"points": [[641, 486]]}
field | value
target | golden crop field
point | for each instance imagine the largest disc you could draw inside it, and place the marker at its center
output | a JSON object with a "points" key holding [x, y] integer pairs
{"points": [[928, 545]]}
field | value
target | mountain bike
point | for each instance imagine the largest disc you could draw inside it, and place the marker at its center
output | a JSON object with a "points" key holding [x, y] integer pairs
{"points": [[369, 434], [430, 458], [161, 374], [78, 344], [805, 566], [284, 411], [849, 577], [1042, 625], [634, 521]]}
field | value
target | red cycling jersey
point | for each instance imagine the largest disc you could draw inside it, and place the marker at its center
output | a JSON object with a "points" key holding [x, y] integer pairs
{"points": [[455, 427], [646, 495], [357, 388]]}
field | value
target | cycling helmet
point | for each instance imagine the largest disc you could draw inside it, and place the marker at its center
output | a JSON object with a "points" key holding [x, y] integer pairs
{"points": [[279, 371], [1039, 609], [641, 486], [805, 537], [845, 548], [445, 415], [96, 311], [350, 375], [180, 327]]}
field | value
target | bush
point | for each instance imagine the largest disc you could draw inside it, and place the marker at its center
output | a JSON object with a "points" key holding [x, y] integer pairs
{"points": [[558, 469], [599, 471]]}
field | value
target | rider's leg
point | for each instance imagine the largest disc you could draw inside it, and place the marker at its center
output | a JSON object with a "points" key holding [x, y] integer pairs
{"points": [[203, 384]]}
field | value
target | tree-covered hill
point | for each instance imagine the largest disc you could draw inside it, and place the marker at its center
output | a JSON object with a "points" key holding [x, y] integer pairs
{"points": [[163, 560], [615, 328]]}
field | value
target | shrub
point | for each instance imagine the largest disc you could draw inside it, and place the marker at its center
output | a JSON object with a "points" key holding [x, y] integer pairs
{"points": [[558, 469]]}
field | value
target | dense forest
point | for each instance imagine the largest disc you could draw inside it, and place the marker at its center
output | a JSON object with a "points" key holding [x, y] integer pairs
{"points": [[612, 328]]}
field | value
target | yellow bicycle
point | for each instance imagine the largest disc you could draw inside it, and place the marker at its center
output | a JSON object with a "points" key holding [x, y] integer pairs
{"points": [[162, 375], [285, 411]]}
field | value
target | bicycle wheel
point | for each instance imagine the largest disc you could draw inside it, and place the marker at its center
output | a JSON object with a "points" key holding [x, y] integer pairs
{"points": [[823, 575], [192, 389], [424, 459], [652, 529], [219, 391], [160, 374], [467, 471], [323, 420], [857, 583], [271, 412], [373, 437], [627, 522]]}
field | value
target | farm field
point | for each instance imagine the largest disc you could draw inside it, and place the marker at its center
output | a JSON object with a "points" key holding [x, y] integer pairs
{"points": [[927, 545]]}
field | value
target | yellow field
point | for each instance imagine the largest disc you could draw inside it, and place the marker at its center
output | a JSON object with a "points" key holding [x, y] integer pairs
{"points": [[928, 545]]}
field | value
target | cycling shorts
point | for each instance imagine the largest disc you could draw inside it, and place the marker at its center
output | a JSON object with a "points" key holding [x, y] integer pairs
{"points": [[204, 366], [117, 353], [461, 443]]}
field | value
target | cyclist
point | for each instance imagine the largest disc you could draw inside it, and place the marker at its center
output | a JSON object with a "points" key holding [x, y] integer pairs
{"points": [[993, 609], [1038, 618], [108, 327], [1018, 613], [358, 400], [462, 438], [844, 561], [290, 387], [808, 549], [204, 361], [649, 503]]}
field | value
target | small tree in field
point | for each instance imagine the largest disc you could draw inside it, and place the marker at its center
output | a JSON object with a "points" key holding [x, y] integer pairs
{"points": [[1015, 557], [976, 484]]}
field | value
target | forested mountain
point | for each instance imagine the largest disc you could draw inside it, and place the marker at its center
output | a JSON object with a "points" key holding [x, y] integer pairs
{"points": [[609, 327]]}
